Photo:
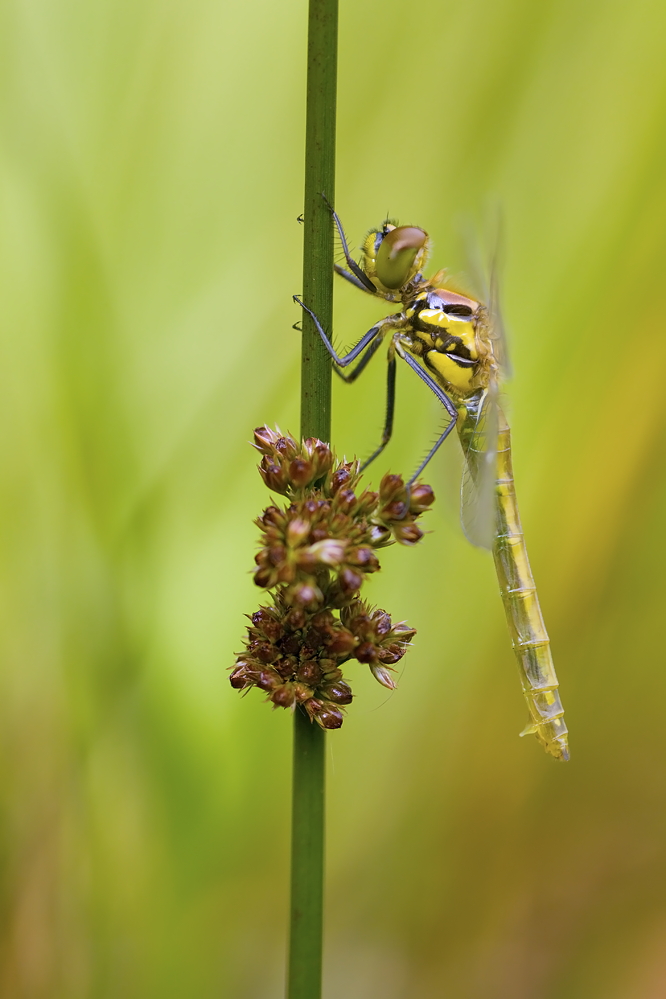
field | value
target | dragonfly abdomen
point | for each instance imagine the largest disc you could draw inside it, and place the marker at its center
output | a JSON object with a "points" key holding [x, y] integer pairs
{"points": [[529, 637]]}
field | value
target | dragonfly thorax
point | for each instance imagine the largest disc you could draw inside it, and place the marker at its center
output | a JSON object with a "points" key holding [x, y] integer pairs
{"points": [[445, 330]]}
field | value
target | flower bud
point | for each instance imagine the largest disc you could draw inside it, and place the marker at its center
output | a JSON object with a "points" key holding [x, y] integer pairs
{"points": [[421, 497], [298, 530], [302, 692], [268, 680], [329, 717], [328, 552], [325, 714], [380, 536], [286, 572], [364, 558], [323, 457], [407, 533], [349, 580], [338, 692], [274, 475], [390, 488], [346, 500], [265, 577], [272, 517], [309, 672], [301, 472], [305, 594], [266, 624], [319, 454], [295, 619], [383, 675], [275, 554], [366, 653], [309, 445], [402, 628], [239, 678], [392, 654], [286, 666], [264, 439], [313, 706], [264, 652], [329, 668], [367, 502], [322, 620], [284, 696], [342, 643], [286, 447], [339, 479], [396, 510], [339, 524]]}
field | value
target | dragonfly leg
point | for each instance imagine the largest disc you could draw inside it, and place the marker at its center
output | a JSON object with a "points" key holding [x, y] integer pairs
{"points": [[346, 359], [362, 280], [362, 364], [445, 401], [390, 409], [350, 277]]}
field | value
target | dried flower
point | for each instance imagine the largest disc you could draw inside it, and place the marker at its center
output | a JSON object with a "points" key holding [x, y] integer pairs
{"points": [[315, 555]]}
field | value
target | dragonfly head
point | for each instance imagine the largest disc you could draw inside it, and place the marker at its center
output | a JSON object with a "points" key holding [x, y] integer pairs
{"points": [[393, 255]]}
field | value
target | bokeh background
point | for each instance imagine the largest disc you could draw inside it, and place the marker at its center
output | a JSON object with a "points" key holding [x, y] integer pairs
{"points": [[150, 177]]}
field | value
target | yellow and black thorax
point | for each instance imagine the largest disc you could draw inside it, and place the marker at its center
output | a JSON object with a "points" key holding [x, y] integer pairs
{"points": [[449, 332]]}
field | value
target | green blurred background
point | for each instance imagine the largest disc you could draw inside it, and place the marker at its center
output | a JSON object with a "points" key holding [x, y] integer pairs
{"points": [[150, 178]]}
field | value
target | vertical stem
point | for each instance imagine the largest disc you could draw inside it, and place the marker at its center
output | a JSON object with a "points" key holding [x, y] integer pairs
{"points": [[307, 850], [307, 860], [318, 234]]}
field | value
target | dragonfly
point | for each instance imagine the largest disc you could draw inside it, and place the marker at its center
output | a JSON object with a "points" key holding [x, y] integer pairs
{"points": [[455, 345]]}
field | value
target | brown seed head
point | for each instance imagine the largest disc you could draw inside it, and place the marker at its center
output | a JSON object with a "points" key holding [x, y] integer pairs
{"points": [[316, 551]]}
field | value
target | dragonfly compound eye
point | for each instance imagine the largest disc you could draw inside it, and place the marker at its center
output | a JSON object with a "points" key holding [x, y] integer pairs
{"points": [[400, 255]]}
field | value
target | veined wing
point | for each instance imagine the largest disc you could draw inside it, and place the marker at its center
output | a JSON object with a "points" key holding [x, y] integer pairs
{"points": [[485, 279], [497, 329], [478, 429]]}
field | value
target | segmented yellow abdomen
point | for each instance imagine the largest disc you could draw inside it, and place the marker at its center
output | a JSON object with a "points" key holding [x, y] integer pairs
{"points": [[521, 603]]}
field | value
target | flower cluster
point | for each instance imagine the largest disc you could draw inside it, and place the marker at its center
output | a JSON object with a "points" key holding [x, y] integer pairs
{"points": [[316, 553], [295, 655]]}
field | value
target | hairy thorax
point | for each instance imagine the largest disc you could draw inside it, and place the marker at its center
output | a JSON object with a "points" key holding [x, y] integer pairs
{"points": [[450, 332]]}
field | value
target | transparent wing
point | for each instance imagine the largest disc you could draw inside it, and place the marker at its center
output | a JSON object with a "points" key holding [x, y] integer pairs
{"points": [[478, 432], [485, 281], [497, 327]]}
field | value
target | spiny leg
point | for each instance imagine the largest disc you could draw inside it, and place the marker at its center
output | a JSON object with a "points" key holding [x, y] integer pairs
{"points": [[362, 364], [445, 401], [358, 277], [371, 343], [390, 409], [346, 359], [390, 393], [352, 280]]}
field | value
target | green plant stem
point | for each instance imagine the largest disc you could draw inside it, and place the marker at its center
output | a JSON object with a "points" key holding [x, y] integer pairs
{"points": [[307, 860], [318, 234], [307, 851]]}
